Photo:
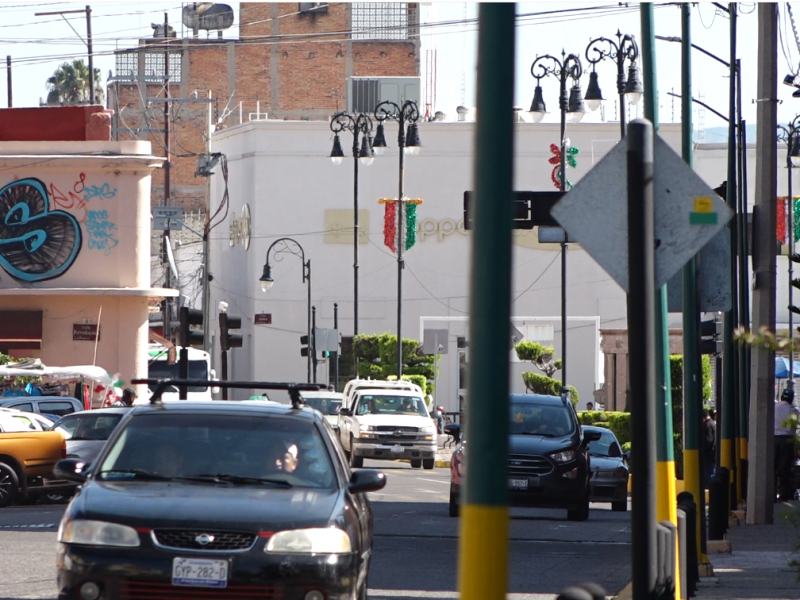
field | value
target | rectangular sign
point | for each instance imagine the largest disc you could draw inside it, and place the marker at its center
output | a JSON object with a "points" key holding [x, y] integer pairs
{"points": [[167, 218], [530, 209], [85, 332], [263, 319]]}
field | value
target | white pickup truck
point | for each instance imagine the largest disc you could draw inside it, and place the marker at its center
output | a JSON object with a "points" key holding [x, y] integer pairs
{"points": [[387, 422]]}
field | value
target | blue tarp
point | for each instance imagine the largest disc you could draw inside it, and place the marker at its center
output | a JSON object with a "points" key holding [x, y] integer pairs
{"points": [[782, 368]]}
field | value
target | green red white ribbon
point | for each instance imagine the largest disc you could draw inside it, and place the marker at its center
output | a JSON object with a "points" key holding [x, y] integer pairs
{"points": [[390, 222]]}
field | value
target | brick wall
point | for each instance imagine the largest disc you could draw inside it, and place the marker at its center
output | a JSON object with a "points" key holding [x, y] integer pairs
{"points": [[290, 65]]}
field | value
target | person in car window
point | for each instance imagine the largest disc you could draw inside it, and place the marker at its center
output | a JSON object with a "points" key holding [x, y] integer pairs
{"points": [[406, 406], [282, 457]]}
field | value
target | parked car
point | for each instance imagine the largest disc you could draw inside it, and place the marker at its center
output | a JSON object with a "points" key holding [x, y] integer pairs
{"points": [[27, 459], [609, 475], [328, 403], [32, 421], [53, 405], [86, 432], [548, 462], [241, 499]]}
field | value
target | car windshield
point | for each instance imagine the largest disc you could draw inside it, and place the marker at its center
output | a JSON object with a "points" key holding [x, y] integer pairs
{"points": [[607, 445], [327, 406], [228, 449], [159, 369], [88, 426], [539, 419], [376, 404]]}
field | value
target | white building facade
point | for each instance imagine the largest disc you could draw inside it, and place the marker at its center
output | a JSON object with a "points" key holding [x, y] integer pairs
{"points": [[280, 173]]}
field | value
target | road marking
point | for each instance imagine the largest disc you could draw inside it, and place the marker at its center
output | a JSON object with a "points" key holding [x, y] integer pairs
{"points": [[28, 526], [434, 480], [379, 594]]}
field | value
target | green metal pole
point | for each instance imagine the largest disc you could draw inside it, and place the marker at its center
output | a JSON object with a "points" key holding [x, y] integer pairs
{"points": [[692, 365], [483, 543], [727, 415], [666, 509]]}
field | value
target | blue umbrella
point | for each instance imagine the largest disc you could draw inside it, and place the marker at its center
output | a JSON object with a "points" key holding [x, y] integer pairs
{"points": [[782, 368]]}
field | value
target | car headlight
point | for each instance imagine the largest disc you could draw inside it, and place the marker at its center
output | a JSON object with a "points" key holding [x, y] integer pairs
{"points": [[563, 457], [429, 429], [309, 541], [98, 533], [365, 431]]}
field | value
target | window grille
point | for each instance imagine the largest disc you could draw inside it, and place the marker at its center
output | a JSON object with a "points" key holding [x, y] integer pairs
{"points": [[380, 21], [127, 66]]}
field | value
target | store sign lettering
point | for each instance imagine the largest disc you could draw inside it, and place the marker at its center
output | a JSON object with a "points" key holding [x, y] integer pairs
{"points": [[439, 229]]}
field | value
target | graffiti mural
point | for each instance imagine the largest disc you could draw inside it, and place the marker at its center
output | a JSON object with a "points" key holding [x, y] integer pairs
{"points": [[36, 243], [100, 231]]}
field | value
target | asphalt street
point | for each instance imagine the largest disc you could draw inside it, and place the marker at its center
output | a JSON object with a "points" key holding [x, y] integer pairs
{"points": [[416, 545]]}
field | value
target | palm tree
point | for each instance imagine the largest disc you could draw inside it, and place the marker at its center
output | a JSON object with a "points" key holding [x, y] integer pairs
{"points": [[70, 84]]}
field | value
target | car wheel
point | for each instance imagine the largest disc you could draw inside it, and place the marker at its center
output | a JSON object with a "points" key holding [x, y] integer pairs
{"points": [[621, 506], [581, 513], [355, 461], [9, 485], [453, 508], [416, 463], [428, 463], [56, 498]]}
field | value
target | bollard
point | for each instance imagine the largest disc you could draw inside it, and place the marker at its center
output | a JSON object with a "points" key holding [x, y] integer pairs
{"points": [[691, 573], [666, 534], [597, 591], [682, 543], [718, 503]]}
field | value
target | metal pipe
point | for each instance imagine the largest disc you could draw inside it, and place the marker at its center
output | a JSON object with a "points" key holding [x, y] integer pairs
{"points": [[92, 91], [401, 239]]}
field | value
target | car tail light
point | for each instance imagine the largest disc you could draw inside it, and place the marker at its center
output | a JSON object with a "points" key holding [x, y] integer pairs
{"points": [[63, 448]]}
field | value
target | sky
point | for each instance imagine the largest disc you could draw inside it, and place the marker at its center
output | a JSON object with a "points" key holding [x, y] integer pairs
{"points": [[38, 44]]}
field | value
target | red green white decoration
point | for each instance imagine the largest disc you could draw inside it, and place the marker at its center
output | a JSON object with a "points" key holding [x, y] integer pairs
{"points": [[571, 161], [390, 222]]}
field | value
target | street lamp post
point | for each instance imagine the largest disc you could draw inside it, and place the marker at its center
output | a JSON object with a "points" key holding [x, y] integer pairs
{"points": [[289, 246], [356, 124], [572, 109], [408, 143], [629, 89], [791, 135]]}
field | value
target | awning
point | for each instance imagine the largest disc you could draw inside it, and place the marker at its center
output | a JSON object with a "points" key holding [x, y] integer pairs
{"points": [[782, 368]]}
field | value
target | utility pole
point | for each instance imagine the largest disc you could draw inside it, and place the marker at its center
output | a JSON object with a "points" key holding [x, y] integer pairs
{"points": [[760, 482], [206, 276], [92, 91], [8, 79], [336, 354], [167, 302]]}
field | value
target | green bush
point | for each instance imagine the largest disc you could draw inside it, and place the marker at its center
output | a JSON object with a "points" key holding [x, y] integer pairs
{"points": [[542, 384], [367, 370], [618, 422]]}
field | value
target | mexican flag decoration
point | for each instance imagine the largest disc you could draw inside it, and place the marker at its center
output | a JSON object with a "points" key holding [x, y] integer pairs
{"points": [[571, 161], [390, 232]]}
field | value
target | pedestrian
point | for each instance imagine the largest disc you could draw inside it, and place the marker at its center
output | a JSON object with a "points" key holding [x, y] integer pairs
{"points": [[786, 419], [128, 397], [709, 447], [589, 406]]}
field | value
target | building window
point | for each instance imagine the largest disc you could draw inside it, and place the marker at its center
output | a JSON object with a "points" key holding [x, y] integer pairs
{"points": [[127, 66], [380, 21]]}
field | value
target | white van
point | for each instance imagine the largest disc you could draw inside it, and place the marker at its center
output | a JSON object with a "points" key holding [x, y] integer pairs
{"points": [[158, 367]]}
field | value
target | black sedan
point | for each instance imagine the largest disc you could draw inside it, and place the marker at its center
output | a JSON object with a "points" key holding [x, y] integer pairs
{"points": [[609, 471], [217, 500]]}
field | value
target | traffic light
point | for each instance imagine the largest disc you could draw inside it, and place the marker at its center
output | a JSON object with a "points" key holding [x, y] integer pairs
{"points": [[190, 337], [304, 347], [795, 284], [709, 337], [228, 340]]}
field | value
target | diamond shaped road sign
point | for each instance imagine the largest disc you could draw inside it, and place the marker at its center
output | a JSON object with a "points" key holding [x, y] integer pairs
{"points": [[688, 213]]}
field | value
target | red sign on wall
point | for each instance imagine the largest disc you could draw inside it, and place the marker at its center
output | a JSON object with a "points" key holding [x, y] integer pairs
{"points": [[85, 332], [263, 319]]}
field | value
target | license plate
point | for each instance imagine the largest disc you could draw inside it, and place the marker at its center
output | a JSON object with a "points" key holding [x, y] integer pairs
{"points": [[518, 484], [396, 449], [200, 572]]}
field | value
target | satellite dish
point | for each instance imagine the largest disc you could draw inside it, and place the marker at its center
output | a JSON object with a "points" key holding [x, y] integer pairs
{"points": [[207, 15]]}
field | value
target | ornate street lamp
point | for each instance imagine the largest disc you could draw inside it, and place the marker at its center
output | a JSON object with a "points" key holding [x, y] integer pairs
{"points": [[408, 143], [359, 124], [289, 246], [630, 89], [572, 109], [791, 135]]}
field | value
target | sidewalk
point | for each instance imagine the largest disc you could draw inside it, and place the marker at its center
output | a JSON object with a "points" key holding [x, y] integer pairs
{"points": [[443, 453], [758, 565]]}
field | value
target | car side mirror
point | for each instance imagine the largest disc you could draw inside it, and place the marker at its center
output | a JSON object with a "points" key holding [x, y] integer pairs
{"points": [[366, 480], [591, 436], [72, 469], [345, 412]]}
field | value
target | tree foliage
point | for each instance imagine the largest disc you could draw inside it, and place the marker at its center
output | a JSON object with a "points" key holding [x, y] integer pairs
{"points": [[377, 359], [69, 84]]}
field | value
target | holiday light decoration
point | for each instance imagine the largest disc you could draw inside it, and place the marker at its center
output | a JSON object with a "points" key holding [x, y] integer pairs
{"points": [[571, 161], [390, 222]]}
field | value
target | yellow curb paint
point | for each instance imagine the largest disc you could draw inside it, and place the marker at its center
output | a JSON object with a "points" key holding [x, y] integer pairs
{"points": [[483, 549], [666, 506], [693, 483]]}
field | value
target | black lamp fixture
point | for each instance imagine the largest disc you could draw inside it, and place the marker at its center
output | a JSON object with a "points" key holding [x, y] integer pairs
{"points": [[576, 108], [633, 87], [594, 96], [266, 278], [413, 144], [337, 154], [379, 143], [538, 109], [365, 155], [794, 154]]}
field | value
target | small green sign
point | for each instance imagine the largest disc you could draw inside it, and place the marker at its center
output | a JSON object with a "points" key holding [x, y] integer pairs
{"points": [[703, 218]]}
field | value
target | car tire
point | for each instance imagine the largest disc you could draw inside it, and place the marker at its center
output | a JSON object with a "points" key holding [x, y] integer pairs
{"points": [[453, 508], [9, 485], [428, 463], [581, 512], [621, 506], [416, 463], [356, 462]]}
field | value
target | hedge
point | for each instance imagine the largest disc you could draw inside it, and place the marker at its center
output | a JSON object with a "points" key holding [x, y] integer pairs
{"points": [[542, 384], [618, 422]]}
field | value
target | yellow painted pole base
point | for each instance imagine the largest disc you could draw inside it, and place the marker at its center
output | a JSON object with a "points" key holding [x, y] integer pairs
{"points": [[483, 552]]}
